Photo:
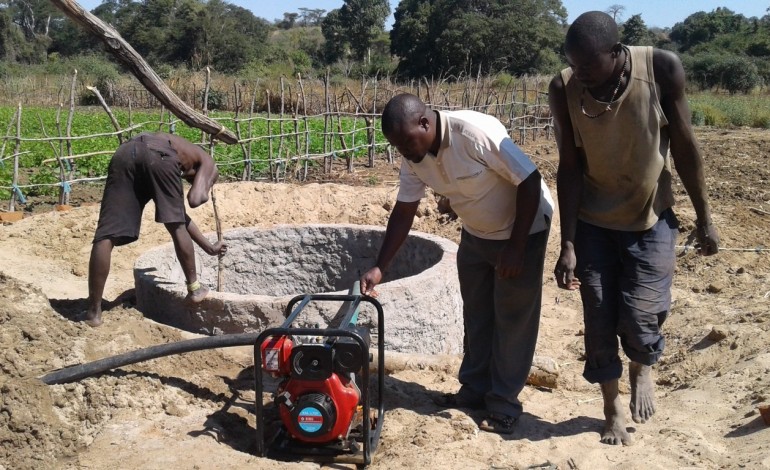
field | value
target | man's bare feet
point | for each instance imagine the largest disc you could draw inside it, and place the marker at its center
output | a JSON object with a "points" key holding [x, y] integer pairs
{"points": [[642, 392], [614, 431], [198, 295], [93, 318]]}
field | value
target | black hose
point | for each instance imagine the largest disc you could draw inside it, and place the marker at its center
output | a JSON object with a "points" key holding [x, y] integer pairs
{"points": [[81, 371]]}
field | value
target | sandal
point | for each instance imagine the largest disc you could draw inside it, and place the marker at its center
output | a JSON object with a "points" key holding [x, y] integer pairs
{"points": [[455, 400], [499, 423]]}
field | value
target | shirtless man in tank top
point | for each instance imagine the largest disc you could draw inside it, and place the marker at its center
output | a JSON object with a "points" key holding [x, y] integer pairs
{"points": [[617, 111]]}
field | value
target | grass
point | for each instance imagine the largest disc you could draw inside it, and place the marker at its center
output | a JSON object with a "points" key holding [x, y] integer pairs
{"points": [[721, 110]]}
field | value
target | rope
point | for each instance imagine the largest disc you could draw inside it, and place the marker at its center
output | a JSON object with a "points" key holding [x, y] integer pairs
{"points": [[221, 130], [758, 249]]}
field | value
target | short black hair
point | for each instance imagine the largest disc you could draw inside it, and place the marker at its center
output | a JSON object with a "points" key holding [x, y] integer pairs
{"points": [[595, 30], [398, 110]]}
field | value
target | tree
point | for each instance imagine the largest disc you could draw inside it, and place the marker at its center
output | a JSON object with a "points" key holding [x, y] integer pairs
{"points": [[616, 12], [32, 20], [703, 27], [289, 20], [453, 37], [231, 36], [334, 33], [311, 16], [355, 26], [635, 32], [409, 37]]}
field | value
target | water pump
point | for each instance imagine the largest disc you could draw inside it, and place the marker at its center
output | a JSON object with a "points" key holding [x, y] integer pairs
{"points": [[323, 396]]}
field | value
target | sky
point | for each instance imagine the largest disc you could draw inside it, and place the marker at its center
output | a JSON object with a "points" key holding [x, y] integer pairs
{"points": [[660, 13]]}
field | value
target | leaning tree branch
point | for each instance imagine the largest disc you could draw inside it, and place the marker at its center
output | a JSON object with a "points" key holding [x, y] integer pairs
{"points": [[126, 54]]}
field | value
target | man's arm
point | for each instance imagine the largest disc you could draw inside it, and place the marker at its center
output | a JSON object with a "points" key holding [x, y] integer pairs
{"points": [[206, 175], [669, 74], [216, 248], [569, 183], [509, 264], [399, 224]]}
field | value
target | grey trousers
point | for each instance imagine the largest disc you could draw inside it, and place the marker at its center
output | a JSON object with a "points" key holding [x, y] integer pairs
{"points": [[502, 317], [625, 284]]}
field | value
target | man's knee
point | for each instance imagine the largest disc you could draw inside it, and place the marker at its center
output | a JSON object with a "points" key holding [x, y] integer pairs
{"points": [[601, 369], [645, 349]]}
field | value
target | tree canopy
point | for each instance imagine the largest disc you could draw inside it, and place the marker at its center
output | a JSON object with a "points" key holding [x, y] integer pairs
{"points": [[452, 37], [354, 27], [434, 38]]}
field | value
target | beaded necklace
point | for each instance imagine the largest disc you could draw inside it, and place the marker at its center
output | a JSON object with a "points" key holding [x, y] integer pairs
{"points": [[614, 93]]}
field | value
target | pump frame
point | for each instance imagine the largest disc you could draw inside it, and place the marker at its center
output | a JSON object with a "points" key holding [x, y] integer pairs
{"points": [[283, 446]]}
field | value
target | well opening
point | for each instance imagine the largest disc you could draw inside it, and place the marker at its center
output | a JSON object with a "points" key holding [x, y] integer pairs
{"points": [[265, 267]]}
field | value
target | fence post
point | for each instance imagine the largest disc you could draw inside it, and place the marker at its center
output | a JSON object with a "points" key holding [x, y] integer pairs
{"points": [[206, 102], [280, 139], [523, 129], [327, 157], [305, 119], [57, 154], [371, 123], [70, 115], [246, 157], [251, 127], [107, 109], [270, 137], [7, 134], [15, 181]]}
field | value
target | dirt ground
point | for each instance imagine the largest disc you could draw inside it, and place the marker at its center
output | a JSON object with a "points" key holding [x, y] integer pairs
{"points": [[196, 410]]}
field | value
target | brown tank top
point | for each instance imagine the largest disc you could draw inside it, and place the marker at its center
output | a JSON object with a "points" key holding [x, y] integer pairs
{"points": [[627, 170]]}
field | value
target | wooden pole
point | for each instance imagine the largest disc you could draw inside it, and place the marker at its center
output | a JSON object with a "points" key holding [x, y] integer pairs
{"points": [[70, 116], [246, 156], [15, 181], [205, 106], [107, 109], [56, 154], [220, 264], [307, 125], [273, 174], [327, 110], [250, 127]]}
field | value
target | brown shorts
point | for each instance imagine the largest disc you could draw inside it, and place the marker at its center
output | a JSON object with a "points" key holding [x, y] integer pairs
{"points": [[136, 175]]}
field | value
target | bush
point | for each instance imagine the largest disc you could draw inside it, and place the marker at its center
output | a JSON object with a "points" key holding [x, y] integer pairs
{"points": [[302, 63], [733, 73], [739, 74], [698, 117], [761, 121], [713, 117], [217, 99]]}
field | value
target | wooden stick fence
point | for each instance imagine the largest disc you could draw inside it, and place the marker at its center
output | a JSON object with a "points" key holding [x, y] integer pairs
{"points": [[289, 144]]}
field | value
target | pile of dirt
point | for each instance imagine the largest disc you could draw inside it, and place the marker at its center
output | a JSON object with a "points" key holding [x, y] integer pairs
{"points": [[196, 410]]}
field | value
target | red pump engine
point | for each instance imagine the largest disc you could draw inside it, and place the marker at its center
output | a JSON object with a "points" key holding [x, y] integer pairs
{"points": [[318, 399], [324, 396]]}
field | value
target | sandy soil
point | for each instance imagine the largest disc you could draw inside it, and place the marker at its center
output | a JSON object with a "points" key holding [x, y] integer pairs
{"points": [[196, 410]]}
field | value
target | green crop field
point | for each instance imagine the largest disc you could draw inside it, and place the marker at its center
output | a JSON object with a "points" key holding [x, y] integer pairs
{"points": [[271, 143], [92, 132]]}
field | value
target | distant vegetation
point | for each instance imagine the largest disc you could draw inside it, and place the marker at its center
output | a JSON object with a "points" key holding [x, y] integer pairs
{"points": [[721, 50]]}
